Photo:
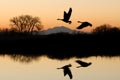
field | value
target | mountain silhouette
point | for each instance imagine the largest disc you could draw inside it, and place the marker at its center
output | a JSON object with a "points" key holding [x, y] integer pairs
{"points": [[59, 29]]}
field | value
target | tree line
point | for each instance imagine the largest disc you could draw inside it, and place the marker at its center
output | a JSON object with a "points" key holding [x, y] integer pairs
{"points": [[28, 23]]}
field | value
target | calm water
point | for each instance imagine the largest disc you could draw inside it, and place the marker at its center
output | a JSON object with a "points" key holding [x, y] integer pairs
{"points": [[43, 68]]}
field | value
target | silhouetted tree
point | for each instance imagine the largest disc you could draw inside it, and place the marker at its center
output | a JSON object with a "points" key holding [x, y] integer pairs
{"points": [[26, 23], [102, 28], [13, 29], [4, 30], [115, 30], [106, 28]]}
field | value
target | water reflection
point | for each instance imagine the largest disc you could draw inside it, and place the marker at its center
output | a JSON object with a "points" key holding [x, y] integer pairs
{"points": [[83, 64], [66, 70], [26, 58], [102, 68], [23, 59], [58, 52]]}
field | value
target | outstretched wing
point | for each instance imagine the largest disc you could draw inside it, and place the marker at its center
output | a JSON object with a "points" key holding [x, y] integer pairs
{"points": [[68, 71], [80, 62], [80, 27], [70, 75], [84, 24], [67, 15]]}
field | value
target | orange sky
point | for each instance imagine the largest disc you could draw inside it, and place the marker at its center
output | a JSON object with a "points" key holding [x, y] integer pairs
{"points": [[97, 12]]}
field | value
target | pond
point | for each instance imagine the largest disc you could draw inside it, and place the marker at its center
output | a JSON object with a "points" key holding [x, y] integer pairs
{"points": [[44, 68]]}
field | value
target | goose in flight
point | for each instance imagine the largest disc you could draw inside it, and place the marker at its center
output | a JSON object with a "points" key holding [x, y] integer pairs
{"points": [[83, 64], [66, 16], [67, 70], [84, 24]]}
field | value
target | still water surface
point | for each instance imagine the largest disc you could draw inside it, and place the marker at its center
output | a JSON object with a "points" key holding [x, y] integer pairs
{"points": [[43, 68]]}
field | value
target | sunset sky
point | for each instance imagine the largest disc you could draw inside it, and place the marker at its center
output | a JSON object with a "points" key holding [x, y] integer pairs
{"points": [[97, 12]]}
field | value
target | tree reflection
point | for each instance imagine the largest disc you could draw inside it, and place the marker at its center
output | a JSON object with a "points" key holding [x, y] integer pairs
{"points": [[23, 58], [56, 54]]}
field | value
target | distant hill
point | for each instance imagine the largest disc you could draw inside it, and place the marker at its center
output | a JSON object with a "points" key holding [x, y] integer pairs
{"points": [[60, 29]]}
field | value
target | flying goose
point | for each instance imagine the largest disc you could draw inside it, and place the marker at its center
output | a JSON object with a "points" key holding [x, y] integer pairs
{"points": [[84, 24], [66, 16]]}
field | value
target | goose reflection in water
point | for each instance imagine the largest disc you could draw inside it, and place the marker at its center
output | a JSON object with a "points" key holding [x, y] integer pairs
{"points": [[67, 70], [83, 64]]}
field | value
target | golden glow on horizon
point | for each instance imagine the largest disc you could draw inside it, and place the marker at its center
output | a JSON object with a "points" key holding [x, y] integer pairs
{"points": [[97, 12]]}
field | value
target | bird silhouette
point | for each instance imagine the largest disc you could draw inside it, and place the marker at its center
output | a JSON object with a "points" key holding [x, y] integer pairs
{"points": [[84, 24], [83, 64], [66, 16], [67, 70]]}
